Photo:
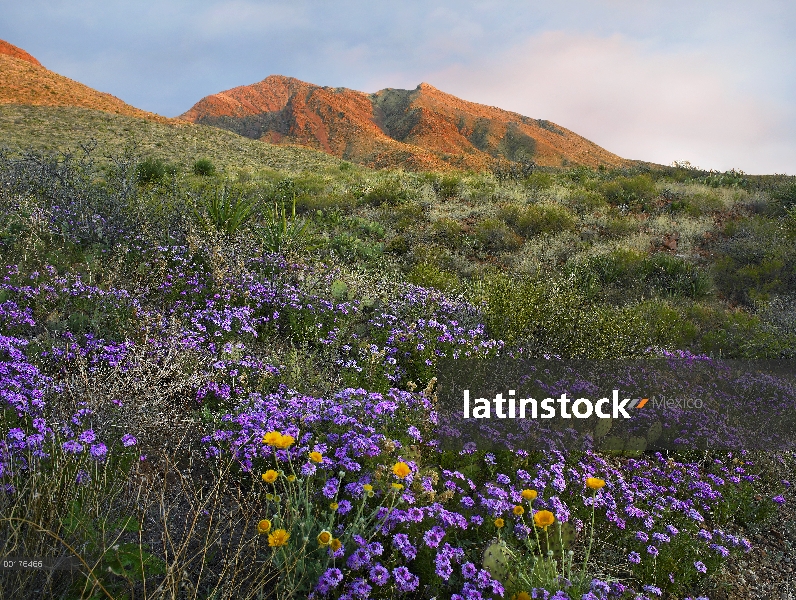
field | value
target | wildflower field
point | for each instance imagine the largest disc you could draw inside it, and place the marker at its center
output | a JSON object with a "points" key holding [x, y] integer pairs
{"points": [[223, 385]]}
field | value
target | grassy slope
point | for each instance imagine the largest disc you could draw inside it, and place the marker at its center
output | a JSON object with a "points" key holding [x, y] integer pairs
{"points": [[65, 128]]}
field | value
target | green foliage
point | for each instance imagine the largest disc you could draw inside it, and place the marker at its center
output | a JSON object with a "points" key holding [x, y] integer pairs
{"points": [[430, 275], [536, 219], [448, 232], [204, 167], [732, 178], [279, 233], [153, 170], [756, 262], [625, 273], [98, 541], [445, 186], [552, 318], [390, 193], [228, 212], [629, 190], [538, 181], [351, 248], [493, 235]]}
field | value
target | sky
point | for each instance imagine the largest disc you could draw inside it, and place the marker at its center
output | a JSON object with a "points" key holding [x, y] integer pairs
{"points": [[709, 82]]}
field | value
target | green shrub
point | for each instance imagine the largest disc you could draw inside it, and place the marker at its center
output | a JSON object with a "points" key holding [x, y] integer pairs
{"points": [[405, 217], [552, 318], [153, 170], [785, 195], [204, 167], [673, 276], [627, 274], [447, 186], [617, 227], [494, 235], [390, 193], [757, 261], [538, 219], [669, 327], [429, 275], [629, 190], [538, 181], [227, 212], [448, 232]]}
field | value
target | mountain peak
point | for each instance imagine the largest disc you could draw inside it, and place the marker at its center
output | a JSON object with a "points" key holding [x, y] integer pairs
{"points": [[15, 52], [424, 128]]}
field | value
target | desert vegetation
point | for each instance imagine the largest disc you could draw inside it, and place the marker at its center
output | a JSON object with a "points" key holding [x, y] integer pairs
{"points": [[218, 379]]}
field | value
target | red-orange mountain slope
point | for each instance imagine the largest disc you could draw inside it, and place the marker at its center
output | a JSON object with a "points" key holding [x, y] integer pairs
{"points": [[423, 128], [23, 80]]}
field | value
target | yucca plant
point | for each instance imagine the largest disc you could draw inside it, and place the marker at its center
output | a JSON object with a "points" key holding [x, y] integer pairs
{"points": [[228, 214], [280, 232]]}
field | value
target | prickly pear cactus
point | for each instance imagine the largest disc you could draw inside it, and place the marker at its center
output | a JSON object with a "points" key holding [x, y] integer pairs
{"points": [[497, 560], [654, 433], [602, 428]]}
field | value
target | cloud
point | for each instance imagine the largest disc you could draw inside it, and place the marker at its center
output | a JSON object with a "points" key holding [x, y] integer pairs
{"points": [[636, 101]]}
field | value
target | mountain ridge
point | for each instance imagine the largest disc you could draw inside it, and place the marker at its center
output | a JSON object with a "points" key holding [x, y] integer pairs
{"points": [[424, 127]]}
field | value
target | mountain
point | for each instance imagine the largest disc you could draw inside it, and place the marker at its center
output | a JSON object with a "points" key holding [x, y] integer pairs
{"points": [[423, 128], [23, 80]]}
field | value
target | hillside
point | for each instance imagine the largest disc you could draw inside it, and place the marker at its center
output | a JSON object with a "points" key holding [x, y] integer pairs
{"points": [[423, 128], [23, 80], [64, 128]]}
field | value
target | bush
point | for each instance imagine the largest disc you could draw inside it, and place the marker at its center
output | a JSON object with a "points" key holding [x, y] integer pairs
{"points": [[538, 181], [204, 167], [151, 170], [785, 196], [429, 275], [629, 190], [494, 236], [629, 273], [537, 219], [448, 232], [390, 193], [674, 276], [550, 318]]}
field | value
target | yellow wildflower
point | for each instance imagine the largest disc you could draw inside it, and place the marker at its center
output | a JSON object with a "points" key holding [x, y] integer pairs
{"points": [[316, 457], [499, 522], [270, 476], [334, 505], [285, 441], [335, 545], [278, 538], [529, 494], [264, 526], [271, 438], [518, 510], [543, 519], [594, 483], [324, 538], [401, 470]]}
